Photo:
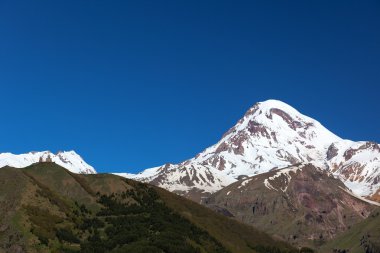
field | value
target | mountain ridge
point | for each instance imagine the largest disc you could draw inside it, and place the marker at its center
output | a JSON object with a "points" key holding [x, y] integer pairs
{"points": [[68, 159], [270, 135]]}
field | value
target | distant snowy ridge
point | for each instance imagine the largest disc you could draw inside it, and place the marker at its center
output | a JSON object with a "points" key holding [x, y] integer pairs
{"points": [[70, 160], [271, 135]]}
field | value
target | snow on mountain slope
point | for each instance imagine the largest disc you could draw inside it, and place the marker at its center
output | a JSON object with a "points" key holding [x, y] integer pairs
{"points": [[183, 179], [67, 159], [271, 135], [358, 165]]}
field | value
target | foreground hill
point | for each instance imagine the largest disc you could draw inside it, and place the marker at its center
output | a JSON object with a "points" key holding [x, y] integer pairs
{"points": [[45, 208], [271, 135], [301, 204]]}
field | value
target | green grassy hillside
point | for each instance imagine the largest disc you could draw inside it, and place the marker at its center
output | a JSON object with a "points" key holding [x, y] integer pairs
{"points": [[45, 208]]}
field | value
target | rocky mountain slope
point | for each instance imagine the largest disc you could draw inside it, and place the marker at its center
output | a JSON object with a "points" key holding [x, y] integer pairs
{"points": [[46, 208], [364, 237], [67, 159], [301, 204], [270, 135]]}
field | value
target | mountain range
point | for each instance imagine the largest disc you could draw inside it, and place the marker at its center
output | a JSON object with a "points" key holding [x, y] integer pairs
{"points": [[276, 170], [67, 159], [271, 135]]}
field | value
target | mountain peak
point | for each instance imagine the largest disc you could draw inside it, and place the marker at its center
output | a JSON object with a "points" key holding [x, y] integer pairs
{"points": [[273, 103], [273, 118], [267, 105], [271, 135]]}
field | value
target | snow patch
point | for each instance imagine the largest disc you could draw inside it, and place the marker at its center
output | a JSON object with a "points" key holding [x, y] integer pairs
{"points": [[244, 183], [361, 198], [282, 172]]}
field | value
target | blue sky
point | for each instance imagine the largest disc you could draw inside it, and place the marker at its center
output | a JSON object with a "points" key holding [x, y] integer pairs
{"points": [[135, 84]]}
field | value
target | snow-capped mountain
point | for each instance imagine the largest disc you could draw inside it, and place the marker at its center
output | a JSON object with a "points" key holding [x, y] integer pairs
{"points": [[271, 135], [67, 159]]}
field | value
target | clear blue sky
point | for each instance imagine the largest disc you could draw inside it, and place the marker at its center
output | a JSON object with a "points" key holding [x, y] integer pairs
{"points": [[135, 84]]}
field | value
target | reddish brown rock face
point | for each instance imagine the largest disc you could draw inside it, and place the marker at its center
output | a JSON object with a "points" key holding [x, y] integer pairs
{"points": [[376, 196], [368, 145], [331, 152], [222, 147], [257, 129], [302, 206], [294, 124]]}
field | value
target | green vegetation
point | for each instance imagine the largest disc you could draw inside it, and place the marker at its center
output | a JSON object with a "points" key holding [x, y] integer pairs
{"points": [[44, 223], [145, 224]]}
